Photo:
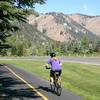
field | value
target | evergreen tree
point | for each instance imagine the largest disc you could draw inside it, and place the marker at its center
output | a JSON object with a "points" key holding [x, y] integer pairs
{"points": [[12, 11]]}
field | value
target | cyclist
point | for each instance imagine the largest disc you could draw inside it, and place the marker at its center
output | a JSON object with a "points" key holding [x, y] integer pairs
{"points": [[56, 66]]}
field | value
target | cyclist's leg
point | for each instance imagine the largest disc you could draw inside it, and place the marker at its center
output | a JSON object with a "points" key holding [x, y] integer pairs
{"points": [[51, 77], [59, 79]]}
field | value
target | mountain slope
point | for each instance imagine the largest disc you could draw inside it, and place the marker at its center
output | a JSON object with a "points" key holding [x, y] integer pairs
{"points": [[92, 23], [64, 28], [30, 33]]}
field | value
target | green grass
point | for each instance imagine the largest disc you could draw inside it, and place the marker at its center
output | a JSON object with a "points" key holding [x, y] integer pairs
{"points": [[83, 80]]}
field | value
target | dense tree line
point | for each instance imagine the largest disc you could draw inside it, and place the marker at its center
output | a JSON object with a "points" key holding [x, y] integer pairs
{"points": [[24, 47]]}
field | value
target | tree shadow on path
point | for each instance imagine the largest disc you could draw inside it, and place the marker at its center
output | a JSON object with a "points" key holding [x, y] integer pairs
{"points": [[13, 88]]}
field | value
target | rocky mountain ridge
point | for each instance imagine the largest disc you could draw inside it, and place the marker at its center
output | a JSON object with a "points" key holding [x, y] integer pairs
{"points": [[64, 28]]}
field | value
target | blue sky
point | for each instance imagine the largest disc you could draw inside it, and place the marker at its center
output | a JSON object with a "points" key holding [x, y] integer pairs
{"points": [[88, 7]]}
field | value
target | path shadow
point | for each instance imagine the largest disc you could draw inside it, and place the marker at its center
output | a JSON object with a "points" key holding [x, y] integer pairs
{"points": [[12, 88], [47, 89]]}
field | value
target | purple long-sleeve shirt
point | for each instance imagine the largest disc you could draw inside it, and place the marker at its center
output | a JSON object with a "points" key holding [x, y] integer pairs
{"points": [[55, 64]]}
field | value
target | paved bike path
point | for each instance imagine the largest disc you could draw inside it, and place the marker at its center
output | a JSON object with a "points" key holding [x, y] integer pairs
{"points": [[15, 89]]}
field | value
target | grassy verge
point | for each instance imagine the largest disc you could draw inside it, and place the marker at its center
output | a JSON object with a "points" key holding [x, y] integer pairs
{"points": [[82, 79]]}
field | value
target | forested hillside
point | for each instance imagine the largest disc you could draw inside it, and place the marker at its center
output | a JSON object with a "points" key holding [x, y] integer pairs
{"points": [[22, 35]]}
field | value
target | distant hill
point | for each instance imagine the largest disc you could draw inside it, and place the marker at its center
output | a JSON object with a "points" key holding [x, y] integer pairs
{"points": [[31, 33], [92, 23], [59, 27], [74, 33], [64, 28]]}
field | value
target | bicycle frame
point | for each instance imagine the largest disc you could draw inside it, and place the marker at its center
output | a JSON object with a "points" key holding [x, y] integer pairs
{"points": [[57, 83]]}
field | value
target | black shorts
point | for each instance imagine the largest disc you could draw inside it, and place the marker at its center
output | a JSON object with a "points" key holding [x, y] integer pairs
{"points": [[52, 72]]}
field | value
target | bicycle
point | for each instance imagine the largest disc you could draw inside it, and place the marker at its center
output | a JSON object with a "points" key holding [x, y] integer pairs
{"points": [[56, 86]]}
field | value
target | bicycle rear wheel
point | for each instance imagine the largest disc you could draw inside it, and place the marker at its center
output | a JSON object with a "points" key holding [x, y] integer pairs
{"points": [[59, 90]]}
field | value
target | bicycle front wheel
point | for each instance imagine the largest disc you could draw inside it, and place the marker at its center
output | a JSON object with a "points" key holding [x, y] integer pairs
{"points": [[52, 87]]}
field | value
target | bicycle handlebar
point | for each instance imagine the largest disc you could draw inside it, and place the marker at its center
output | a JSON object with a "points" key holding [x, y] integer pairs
{"points": [[47, 67]]}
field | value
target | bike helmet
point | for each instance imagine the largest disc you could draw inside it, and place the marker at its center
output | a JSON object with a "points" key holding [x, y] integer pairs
{"points": [[52, 54]]}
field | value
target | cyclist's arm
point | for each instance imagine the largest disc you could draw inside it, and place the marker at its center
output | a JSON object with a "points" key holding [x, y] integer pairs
{"points": [[60, 64], [47, 66]]}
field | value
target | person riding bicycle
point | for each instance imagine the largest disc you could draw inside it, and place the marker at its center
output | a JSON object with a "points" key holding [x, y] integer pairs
{"points": [[56, 66]]}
